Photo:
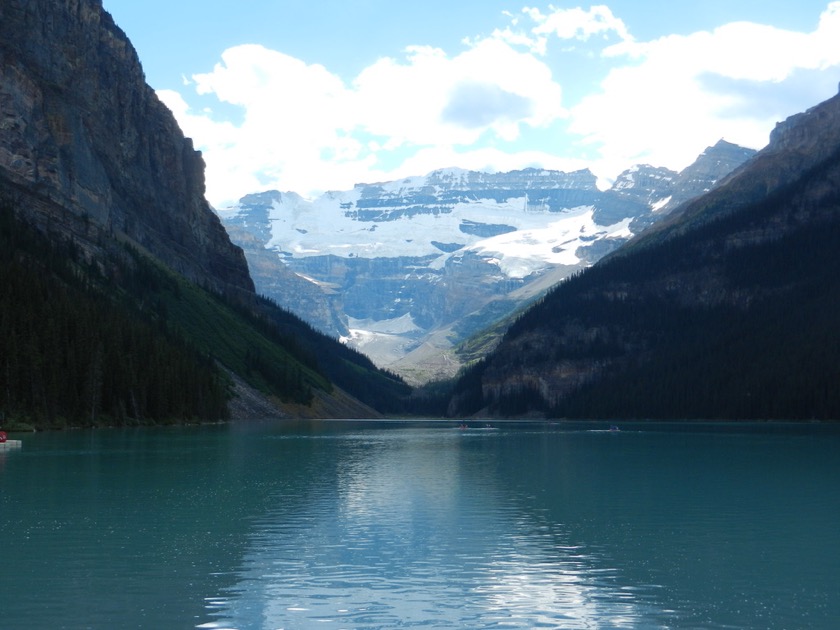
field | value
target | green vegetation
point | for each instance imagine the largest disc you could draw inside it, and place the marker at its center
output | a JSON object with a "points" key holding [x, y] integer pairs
{"points": [[732, 317], [347, 368], [776, 358], [232, 335], [120, 339], [73, 355]]}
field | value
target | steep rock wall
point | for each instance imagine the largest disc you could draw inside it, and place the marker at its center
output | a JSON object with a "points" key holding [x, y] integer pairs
{"points": [[86, 140]]}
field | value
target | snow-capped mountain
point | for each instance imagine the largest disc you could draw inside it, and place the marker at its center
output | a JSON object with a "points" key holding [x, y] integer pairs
{"points": [[403, 270]]}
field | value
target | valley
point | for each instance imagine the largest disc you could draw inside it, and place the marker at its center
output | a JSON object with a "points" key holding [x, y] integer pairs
{"points": [[405, 271]]}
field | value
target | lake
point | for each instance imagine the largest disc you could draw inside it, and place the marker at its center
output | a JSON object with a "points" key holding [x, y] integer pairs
{"points": [[412, 524]]}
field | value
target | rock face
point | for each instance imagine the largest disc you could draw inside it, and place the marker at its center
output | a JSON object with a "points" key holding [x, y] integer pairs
{"points": [[726, 309], [712, 165], [396, 266], [90, 147]]}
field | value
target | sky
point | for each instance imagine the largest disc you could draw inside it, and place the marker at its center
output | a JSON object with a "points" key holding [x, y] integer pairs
{"points": [[317, 95]]}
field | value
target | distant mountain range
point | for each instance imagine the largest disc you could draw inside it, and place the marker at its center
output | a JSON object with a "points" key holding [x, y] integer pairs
{"points": [[727, 309], [405, 270]]}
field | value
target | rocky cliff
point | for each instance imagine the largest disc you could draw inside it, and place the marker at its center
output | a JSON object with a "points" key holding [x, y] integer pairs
{"points": [[86, 143], [405, 269], [134, 305]]}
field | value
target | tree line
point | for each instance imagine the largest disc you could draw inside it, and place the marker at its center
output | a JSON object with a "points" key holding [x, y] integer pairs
{"points": [[73, 354], [735, 318]]}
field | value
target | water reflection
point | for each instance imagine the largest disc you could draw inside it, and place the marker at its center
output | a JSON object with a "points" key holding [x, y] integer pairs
{"points": [[416, 528], [343, 526]]}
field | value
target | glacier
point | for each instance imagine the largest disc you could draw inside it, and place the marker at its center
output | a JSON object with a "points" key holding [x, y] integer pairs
{"points": [[405, 270]]}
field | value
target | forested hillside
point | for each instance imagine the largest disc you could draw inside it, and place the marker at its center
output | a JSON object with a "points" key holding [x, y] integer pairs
{"points": [[729, 311], [123, 340], [73, 353], [123, 299]]}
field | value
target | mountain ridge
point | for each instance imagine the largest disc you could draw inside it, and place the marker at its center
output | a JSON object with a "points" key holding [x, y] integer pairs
{"points": [[440, 255], [96, 165], [723, 311], [78, 118]]}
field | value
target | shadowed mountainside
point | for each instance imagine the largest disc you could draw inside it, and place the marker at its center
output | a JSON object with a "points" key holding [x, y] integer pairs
{"points": [[727, 309], [124, 300], [94, 151]]}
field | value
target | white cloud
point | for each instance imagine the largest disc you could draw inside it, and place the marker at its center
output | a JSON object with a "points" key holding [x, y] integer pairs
{"points": [[564, 24], [578, 24], [304, 129], [487, 159], [291, 113], [667, 99], [663, 101], [408, 101]]}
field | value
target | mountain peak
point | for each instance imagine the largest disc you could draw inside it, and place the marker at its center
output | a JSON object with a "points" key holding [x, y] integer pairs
{"points": [[797, 144], [713, 164], [811, 133], [727, 309], [453, 248]]}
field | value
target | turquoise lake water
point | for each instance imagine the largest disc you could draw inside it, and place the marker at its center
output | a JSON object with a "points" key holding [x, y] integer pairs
{"points": [[385, 525]]}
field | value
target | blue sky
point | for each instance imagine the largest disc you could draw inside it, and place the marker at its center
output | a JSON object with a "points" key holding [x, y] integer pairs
{"points": [[321, 94]]}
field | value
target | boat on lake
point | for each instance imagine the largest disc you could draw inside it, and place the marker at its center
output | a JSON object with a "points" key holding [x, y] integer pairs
{"points": [[6, 443]]}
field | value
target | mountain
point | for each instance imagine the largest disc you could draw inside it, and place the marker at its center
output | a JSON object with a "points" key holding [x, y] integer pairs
{"points": [[727, 309], [404, 270], [124, 299], [94, 150]]}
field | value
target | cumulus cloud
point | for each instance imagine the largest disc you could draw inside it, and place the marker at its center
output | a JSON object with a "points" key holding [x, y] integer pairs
{"points": [[665, 100], [302, 127], [476, 105], [415, 100], [564, 24], [577, 23]]}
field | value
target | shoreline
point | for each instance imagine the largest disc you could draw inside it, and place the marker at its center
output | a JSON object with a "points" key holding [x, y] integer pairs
{"points": [[629, 425]]}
